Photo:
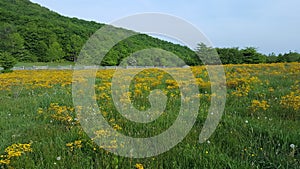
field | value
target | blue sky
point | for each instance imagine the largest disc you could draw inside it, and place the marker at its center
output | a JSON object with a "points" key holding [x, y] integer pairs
{"points": [[269, 25]]}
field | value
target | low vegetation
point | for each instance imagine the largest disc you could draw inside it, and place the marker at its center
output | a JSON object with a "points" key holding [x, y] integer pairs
{"points": [[259, 127]]}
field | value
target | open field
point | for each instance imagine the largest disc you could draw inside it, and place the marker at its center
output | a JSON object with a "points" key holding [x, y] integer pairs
{"points": [[260, 127]]}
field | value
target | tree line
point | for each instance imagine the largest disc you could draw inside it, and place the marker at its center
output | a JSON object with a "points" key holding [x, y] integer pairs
{"points": [[248, 55]]}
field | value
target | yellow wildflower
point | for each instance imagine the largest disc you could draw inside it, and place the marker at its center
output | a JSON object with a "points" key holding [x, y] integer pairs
{"points": [[139, 166]]}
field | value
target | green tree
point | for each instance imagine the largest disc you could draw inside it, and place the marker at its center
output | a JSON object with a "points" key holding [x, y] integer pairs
{"points": [[17, 48], [207, 54], [230, 55], [271, 58], [41, 51], [73, 47], [252, 56], [291, 57], [7, 62], [55, 52], [5, 31]]}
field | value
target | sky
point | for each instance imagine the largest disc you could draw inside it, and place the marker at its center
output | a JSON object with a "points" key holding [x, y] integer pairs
{"points": [[268, 25]]}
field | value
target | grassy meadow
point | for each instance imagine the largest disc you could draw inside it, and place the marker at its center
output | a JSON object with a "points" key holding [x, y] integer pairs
{"points": [[260, 127]]}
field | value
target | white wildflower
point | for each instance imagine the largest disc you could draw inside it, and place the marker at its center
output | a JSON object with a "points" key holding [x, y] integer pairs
{"points": [[292, 146]]}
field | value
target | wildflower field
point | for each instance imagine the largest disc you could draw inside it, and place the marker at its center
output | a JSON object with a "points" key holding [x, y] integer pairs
{"points": [[260, 127]]}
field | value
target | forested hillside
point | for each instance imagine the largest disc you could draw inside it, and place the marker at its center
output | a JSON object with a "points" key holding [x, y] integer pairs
{"points": [[33, 33]]}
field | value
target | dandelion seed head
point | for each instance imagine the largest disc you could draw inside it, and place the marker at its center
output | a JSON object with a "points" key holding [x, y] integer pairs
{"points": [[292, 146]]}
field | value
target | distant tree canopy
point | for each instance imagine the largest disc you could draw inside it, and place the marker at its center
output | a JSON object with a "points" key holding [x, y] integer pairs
{"points": [[141, 41], [32, 33], [248, 55]]}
